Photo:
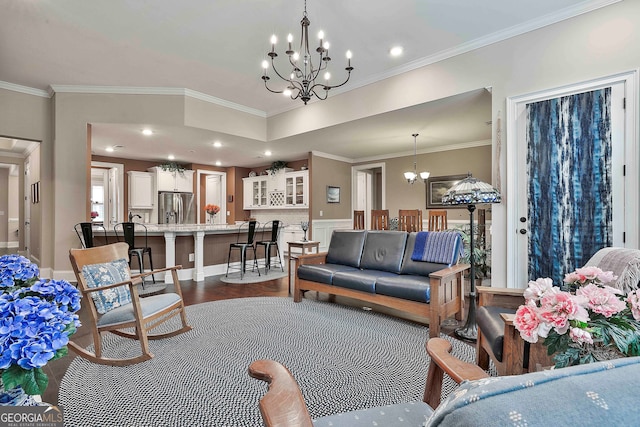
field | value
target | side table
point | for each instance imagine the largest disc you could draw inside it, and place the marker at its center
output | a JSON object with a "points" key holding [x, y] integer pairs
{"points": [[304, 245]]}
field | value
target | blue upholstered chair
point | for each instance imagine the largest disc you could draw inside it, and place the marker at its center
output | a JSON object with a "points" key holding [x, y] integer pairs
{"points": [[110, 295], [596, 394]]}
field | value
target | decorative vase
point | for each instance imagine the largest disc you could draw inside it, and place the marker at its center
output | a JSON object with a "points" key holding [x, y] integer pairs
{"points": [[305, 226], [212, 218], [15, 397]]}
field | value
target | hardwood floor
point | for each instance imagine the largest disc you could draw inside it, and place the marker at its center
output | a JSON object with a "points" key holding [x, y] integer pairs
{"points": [[212, 289]]}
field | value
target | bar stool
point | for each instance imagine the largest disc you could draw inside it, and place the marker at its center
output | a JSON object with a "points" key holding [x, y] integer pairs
{"points": [[271, 230], [84, 230], [250, 229], [125, 231]]}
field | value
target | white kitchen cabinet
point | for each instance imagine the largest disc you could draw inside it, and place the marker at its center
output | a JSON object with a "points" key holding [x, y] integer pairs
{"points": [[285, 189], [297, 189], [141, 194], [173, 181], [255, 190]]}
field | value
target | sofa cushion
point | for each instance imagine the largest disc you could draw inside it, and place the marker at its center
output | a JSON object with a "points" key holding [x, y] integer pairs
{"points": [[346, 247], [492, 326], [595, 394], [383, 250], [322, 273], [360, 280], [420, 268], [414, 288], [400, 414]]}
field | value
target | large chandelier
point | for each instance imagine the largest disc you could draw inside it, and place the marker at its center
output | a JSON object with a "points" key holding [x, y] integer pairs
{"points": [[301, 80], [412, 176]]}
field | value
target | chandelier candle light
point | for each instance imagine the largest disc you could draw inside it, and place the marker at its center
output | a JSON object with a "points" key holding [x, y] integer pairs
{"points": [[470, 191], [411, 177], [301, 80]]}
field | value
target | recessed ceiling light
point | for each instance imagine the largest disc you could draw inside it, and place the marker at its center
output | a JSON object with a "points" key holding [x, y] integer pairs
{"points": [[396, 51], [109, 149], [217, 144], [147, 132], [171, 157], [267, 153], [218, 163]]}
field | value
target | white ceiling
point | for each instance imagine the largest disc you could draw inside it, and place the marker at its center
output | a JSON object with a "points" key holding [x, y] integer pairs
{"points": [[216, 47]]}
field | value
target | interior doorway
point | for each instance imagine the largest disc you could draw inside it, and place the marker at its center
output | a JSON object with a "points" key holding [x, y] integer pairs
{"points": [[212, 189], [368, 189]]}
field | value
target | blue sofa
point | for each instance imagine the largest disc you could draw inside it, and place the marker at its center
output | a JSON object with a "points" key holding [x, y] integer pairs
{"points": [[376, 267]]}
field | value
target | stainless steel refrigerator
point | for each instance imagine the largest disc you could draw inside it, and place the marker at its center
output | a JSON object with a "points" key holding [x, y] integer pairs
{"points": [[176, 208]]}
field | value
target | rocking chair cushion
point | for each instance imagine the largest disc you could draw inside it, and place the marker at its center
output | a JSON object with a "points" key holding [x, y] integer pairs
{"points": [[97, 275], [149, 305]]}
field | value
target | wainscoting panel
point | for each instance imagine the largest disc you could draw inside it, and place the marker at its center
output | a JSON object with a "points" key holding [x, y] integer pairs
{"points": [[322, 229]]}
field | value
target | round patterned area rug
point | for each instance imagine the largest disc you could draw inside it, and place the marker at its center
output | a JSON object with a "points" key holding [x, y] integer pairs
{"points": [[344, 358]]}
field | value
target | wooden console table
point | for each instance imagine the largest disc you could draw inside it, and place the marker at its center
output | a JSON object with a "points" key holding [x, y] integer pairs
{"points": [[303, 245]]}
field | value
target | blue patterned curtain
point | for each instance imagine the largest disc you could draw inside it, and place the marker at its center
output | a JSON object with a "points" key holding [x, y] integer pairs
{"points": [[569, 187]]}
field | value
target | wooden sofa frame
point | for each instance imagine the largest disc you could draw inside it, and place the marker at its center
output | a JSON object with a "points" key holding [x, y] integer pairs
{"points": [[447, 293]]}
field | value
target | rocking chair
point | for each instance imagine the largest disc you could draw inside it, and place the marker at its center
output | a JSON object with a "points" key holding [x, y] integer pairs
{"points": [[111, 295]]}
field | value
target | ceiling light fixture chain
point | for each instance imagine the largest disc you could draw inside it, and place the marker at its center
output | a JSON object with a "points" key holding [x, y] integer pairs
{"points": [[301, 83], [411, 177]]}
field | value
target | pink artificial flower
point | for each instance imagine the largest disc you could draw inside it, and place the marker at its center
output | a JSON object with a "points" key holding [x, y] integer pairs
{"points": [[634, 300], [527, 321], [590, 274], [558, 308], [580, 336], [538, 288], [601, 300]]}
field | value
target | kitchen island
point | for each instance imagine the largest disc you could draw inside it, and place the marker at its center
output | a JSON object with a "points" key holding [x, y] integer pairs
{"points": [[201, 249]]}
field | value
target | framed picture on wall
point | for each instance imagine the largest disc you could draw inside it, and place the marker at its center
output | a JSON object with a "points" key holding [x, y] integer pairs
{"points": [[333, 194], [437, 186]]}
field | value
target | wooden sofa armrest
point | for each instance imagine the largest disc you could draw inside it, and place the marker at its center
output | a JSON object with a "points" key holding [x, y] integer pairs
{"points": [[283, 404], [442, 361], [319, 258], [501, 297]]}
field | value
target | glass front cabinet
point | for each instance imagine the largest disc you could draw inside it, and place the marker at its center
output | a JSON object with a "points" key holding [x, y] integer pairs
{"points": [[296, 189]]}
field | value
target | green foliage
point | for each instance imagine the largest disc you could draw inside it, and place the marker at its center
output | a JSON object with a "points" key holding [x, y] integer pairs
{"points": [[173, 167], [276, 166], [481, 252], [33, 381]]}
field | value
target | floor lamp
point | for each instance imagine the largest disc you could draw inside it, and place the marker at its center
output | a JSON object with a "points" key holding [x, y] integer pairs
{"points": [[470, 192]]}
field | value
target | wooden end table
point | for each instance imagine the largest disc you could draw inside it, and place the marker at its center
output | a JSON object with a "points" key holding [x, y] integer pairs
{"points": [[303, 245]]}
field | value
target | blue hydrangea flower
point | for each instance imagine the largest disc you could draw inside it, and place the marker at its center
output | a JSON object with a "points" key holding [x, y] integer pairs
{"points": [[38, 315]]}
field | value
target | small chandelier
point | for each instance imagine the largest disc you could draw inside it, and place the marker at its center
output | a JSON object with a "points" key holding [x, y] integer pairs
{"points": [[301, 80], [411, 177]]}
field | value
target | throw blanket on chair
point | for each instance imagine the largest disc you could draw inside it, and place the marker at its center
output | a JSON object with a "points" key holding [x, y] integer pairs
{"points": [[624, 262], [443, 247]]}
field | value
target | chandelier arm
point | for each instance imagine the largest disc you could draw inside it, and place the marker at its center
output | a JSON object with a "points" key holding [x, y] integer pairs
{"points": [[333, 86], [275, 70], [313, 91]]}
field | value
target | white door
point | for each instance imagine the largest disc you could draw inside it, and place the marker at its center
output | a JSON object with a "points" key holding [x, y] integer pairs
{"points": [[213, 195], [570, 183]]}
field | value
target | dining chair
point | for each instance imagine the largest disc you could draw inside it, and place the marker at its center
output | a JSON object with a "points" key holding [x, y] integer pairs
{"points": [[126, 232], [269, 240], [437, 220], [380, 219], [358, 220], [110, 297], [85, 232], [245, 239], [410, 220]]}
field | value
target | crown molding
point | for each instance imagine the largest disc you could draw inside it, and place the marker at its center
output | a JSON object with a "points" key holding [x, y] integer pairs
{"points": [[332, 157], [24, 89], [126, 90]]}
